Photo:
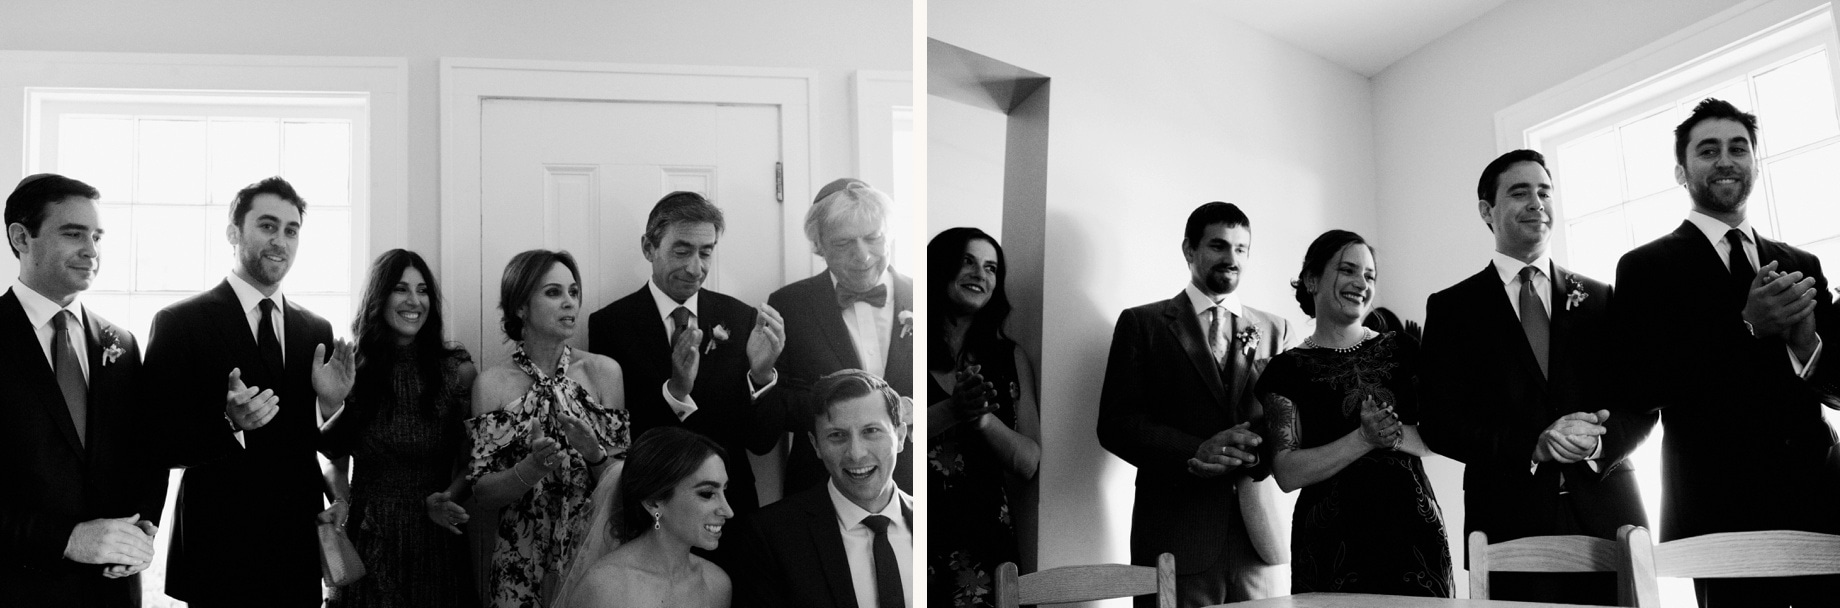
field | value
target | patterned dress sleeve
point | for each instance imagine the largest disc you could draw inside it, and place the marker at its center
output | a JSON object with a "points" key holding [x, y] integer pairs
{"points": [[495, 437]]}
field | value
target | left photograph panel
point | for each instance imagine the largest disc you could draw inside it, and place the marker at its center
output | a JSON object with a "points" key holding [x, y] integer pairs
{"points": [[478, 304]]}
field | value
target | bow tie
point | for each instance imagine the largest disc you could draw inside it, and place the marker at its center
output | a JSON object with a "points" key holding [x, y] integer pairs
{"points": [[876, 296]]}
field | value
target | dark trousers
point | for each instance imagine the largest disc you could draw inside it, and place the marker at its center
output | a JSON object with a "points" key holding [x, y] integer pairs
{"points": [[1237, 576]]}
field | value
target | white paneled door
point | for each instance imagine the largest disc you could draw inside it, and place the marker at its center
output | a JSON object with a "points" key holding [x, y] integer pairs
{"points": [[583, 175]]}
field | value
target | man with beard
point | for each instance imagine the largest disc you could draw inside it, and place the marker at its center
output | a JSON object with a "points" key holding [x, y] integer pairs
{"points": [[1726, 330], [242, 376], [1519, 380], [1178, 404]]}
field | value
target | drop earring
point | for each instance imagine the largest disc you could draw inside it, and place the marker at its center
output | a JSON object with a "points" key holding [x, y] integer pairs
{"points": [[657, 520]]}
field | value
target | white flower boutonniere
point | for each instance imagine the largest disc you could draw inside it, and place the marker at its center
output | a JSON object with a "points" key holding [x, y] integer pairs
{"points": [[906, 319], [1574, 294], [1248, 339], [112, 350], [717, 336]]}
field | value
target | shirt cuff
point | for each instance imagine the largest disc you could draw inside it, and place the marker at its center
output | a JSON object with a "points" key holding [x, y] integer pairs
{"points": [[320, 419], [683, 408], [1805, 370], [755, 393], [1598, 452]]}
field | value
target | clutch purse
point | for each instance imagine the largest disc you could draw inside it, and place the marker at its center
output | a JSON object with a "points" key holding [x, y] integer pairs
{"points": [[1263, 507], [338, 559]]}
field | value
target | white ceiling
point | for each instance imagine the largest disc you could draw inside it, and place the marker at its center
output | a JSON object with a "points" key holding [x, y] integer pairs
{"points": [[1362, 35]]}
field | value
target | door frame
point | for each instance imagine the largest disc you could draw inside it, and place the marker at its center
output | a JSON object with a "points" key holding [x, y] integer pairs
{"points": [[466, 84]]}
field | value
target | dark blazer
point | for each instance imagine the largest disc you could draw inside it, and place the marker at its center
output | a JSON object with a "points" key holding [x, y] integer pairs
{"points": [[630, 331], [818, 343], [1486, 404], [790, 553], [1162, 398], [1744, 442], [57, 481], [244, 530]]}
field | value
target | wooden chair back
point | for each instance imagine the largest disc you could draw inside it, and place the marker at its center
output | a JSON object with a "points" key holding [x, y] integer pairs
{"points": [[1571, 553], [1087, 583], [1728, 555]]}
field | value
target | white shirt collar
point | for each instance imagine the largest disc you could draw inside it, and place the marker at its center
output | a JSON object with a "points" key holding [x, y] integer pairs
{"points": [[39, 309], [666, 305], [249, 297], [1202, 302], [852, 515], [1510, 268], [887, 279], [1715, 230]]}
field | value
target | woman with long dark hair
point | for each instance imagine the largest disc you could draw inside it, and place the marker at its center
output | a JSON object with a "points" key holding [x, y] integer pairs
{"points": [[984, 430], [403, 427], [668, 497]]}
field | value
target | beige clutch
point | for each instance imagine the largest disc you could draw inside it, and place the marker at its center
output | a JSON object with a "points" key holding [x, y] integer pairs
{"points": [[1265, 509], [338, 559]]}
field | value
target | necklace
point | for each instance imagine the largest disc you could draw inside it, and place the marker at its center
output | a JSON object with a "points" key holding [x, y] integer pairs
{"points": [[1310, 342]]}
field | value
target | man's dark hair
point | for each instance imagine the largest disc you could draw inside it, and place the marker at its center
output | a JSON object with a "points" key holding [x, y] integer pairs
{"points": [[1708, 109], [273, 185], [1212, 213], [1491, 175], [35, 194], [680, 207], [845, 384]]}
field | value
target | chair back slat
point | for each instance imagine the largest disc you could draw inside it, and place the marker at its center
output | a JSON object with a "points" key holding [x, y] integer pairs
{"points": [[1749, 554], [1086, 583], [1564, 553]]}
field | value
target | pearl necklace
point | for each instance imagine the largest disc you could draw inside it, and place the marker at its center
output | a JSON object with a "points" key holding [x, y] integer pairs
{"points": [[1366, 334]]}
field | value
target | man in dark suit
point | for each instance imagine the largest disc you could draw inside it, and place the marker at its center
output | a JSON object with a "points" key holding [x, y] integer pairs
{"points": [[237, 372], [691, 356], [78, 524], [1520, 382], [1726, 330], [857, 314], [847, 543], [1178, 404]]}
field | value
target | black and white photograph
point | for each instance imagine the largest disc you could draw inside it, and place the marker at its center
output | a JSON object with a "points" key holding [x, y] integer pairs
{"points": [[1337, 303]]}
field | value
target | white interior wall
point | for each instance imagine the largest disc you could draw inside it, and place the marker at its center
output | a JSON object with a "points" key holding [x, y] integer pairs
{"points": [[964, 164], [834, 37], [1194, 108]]}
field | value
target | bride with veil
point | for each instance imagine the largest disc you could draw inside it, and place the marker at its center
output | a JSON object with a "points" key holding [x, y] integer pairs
{"points": [[667, 497]]}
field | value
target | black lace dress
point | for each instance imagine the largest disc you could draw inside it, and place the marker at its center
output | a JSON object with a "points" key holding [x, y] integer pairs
{"points": [[403, 449], [972, 531], [1375, 526]]}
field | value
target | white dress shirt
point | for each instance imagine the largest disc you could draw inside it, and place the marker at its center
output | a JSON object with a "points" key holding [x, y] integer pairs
{"points": [[687, 406], [870, 327], [1509, 269], [250, 299], [1202, 303], [39, 312], [1715, 230], [859, 543]]}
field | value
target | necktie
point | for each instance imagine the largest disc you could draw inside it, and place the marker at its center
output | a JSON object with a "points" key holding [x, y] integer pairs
{"points": [[680, 319], [70, 373], [1217, 338], [876, 296], [888, 593], [1533, 319], [1740, 265], [266, 343]]}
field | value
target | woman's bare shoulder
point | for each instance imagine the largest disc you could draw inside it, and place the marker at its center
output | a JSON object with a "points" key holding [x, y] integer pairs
{"points": [[496, 387]]}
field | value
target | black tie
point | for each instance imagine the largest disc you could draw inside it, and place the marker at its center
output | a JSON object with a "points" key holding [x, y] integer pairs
{"points": [[266, 343], [1741, 270], [1534, 320], [70, 373], [680, 319], [888, 592]]}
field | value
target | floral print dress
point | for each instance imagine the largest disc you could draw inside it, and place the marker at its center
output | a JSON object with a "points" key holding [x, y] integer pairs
{"points": [[537, 532], [971, 528]]}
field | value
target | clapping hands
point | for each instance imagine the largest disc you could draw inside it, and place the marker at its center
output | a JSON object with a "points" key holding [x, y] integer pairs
{"points": [[1380, 426], [1571, 438], [249, 407], [971, 394], [1227, 450], [332, 378], [1781, 305], [125, 544]]}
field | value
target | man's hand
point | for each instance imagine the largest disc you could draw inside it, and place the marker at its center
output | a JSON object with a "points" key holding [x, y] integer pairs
{"points": [[764, 344], [247, 408], [122, 570], [1225, 451], [686, 356], [339, 512], [332, 379], [1777, 302], [111, 541], [1571, 438], [444, 512]]}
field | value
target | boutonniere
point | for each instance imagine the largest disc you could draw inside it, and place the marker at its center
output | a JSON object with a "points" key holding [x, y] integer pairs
{"points": [[717, 335], [1248, 339], [906, 318], [113, 349], [1574, 293]]}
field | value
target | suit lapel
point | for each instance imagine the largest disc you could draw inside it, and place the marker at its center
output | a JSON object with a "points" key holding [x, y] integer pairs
{"points": [[38, 373], [1181, 315], [898, 370], [828, 540], [233, 330], [299, 346], [99, 373], [1236, 352], [830, 318], [1500, 311]]}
